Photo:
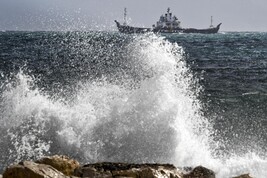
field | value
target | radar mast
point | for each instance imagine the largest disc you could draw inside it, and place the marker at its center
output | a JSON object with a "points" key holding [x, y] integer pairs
{"points": [[125, 15]]}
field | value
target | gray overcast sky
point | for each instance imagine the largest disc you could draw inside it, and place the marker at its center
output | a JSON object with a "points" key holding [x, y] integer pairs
{"points": [[236, 15]]}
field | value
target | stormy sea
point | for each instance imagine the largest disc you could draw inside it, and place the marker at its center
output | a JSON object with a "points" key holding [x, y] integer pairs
{"points": [[185, 99]]}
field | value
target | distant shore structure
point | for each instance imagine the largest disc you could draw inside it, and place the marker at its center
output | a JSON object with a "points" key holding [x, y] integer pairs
{"points": [[167, 23]]}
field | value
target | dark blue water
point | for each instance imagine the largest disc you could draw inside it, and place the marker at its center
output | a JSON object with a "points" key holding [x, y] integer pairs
{"points": [[187, 99], [232, 68]]}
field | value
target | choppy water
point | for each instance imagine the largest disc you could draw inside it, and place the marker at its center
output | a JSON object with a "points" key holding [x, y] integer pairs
{"points": [[104, 96]]}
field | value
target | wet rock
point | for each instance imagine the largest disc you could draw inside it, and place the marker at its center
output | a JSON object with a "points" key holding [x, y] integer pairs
{"points": [[200, 172], [92, 173], [116, 170], [63, 164], [28, 169], [244, 176]]}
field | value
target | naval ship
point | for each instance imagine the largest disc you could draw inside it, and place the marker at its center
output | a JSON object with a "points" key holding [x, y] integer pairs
{"points": [[167, 23]]}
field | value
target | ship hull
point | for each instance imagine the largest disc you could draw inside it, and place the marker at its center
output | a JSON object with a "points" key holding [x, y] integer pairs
{"points": [[204, 31], [129, 29]]}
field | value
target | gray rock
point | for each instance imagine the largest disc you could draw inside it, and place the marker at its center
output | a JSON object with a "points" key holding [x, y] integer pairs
{"points": [[28, 169], [243, 176], [120, 170], [63, 164], [200, 172]]}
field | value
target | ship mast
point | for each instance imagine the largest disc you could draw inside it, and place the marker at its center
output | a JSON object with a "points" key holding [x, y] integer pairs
{"points": [[125, 14], [211, 21]]}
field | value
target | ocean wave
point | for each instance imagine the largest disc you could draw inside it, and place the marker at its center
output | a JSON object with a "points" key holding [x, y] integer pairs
{"points": [[158, 118]]}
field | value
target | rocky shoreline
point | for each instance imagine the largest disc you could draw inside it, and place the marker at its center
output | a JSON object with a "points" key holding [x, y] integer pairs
{"points": [[65, 167]]}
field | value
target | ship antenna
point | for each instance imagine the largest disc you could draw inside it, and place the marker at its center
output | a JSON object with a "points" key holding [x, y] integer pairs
{"points": [[211, 21], [125, 14]]}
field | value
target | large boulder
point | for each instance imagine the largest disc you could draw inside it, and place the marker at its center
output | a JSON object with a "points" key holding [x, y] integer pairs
{"points": [[111, 170], [63, 164], [28, 169], [200, 172]]}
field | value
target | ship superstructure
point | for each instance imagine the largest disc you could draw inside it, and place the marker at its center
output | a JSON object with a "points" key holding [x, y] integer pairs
{"points": [[168, 22]]}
